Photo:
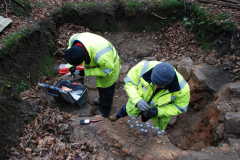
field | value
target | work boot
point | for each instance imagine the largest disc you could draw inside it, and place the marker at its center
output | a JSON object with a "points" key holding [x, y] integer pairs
{"points": [[99, 113], [97, 101], [113, 117]]}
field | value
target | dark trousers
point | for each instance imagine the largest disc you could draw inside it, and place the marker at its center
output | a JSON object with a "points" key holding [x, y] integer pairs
{"points": [[106, 95]]}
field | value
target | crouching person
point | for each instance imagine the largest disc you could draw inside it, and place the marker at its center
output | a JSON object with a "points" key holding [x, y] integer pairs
{"points": [[156, 91]]}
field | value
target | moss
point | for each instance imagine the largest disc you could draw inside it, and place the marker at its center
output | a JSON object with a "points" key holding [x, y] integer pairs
{"points": [[19, 11], [46, 67], [11, 38], [51, 45], [4, 87]]}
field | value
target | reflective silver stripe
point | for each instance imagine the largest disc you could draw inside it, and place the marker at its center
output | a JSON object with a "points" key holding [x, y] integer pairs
{"points": [[183, 110], [74, 38], [128, 79], [152, 103], [98, 55], [182, 83], [113, 53], [173, 97], [107, 71], [144, 69]]}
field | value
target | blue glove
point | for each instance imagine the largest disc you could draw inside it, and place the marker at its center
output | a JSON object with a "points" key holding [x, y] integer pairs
{"points": [[143, 106], [153, 112]]}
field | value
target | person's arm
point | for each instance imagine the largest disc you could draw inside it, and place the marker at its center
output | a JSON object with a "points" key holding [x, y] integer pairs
{"points": [[131, 84], [106, 66], [179, 106]]}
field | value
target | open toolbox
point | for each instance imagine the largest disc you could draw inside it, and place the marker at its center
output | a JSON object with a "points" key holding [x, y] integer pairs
{"points": [[76, 95], [64, 68]]}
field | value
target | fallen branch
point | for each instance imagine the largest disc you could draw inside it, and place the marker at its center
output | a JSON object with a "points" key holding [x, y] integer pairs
{"points": [[158, 16], [224, 5], [6, 7]]}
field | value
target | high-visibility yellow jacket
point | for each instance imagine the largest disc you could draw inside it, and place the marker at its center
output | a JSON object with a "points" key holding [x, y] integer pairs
{"points": [[104, 59], [171, 101]]}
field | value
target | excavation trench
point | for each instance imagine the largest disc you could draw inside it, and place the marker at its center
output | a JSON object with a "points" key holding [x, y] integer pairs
{"points": [[191, 130]]}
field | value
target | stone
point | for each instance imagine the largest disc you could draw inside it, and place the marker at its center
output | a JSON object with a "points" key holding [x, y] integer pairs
{"points": [[173, 63], [198, 146], [90, 82], [149, 59], [124, 69], [173, 120], [130, 59], [220, 131], [185, 71], [186, 62], [142, 52], [232, 123], [235, 89], [238, 109], [233, 141]]}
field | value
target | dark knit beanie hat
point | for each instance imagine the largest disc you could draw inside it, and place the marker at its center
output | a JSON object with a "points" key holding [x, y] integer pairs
{"points": [[162, 74], [75, 55]]}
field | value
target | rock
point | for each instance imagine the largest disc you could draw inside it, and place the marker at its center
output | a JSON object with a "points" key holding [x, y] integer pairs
{"points": [[85, 110], [149, 59], [173, 120], [173, 63], [235, 89], [185, 62], [124, 69], [232, 141], [130, 59], [220, 131], [90, 82], [238, 109], [232, 123], [185, 71], [198, 146], [143, 52], [132, 63], [162, 60]]}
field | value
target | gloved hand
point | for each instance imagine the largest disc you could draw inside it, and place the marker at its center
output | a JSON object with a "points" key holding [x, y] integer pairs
{"points": [[143, 106], [153, 112], [81, 73], [72, 70]]}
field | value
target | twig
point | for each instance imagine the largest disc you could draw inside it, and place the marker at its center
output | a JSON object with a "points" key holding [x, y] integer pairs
{"points": [[55, 53], [217, 39], [29, 79], [97, 137], [184, 5], [232, 39], [158, 16], [6, 7]]}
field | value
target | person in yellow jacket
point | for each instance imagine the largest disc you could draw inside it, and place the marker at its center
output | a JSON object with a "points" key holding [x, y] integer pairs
{"points": [[100, 59], [156, 91]]}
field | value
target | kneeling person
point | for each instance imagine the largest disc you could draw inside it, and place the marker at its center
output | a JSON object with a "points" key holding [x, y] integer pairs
{"points": [[156, 91]]}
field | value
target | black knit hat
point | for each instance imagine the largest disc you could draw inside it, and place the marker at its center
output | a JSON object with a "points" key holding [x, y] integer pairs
{"points": [[75, 55]]}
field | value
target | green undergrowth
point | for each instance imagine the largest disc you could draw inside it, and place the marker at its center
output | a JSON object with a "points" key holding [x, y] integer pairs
{"points": [[4, 86], [21, 7], [207, 26]]}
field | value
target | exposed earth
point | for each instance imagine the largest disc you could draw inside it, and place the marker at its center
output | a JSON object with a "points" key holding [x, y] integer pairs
{"points": [[189, 136]]}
